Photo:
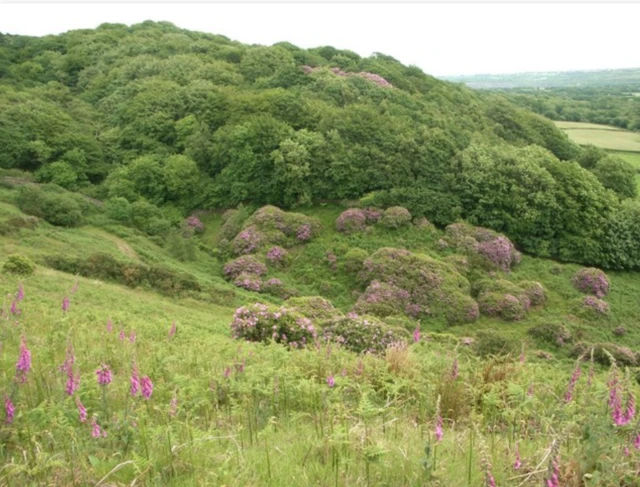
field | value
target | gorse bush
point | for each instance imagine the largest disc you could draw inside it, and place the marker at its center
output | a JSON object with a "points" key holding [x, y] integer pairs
{"points": [[18, 264]]}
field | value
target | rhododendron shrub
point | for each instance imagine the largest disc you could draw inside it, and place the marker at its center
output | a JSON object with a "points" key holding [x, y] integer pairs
{"points": [[262, 323], [551, 333], [535, 291], [194, 223], [383, 299], [591, 308], [434, 286], [591, 281], [354, 259], [395, 217], [502, 299], [352, 220], [246, 264], [363, 334], [272, 226], [492, 248], [315, 308]]}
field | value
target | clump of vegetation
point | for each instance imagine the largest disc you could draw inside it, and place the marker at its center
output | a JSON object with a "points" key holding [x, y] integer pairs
{"points": [[555, 334], [395, 217], [602, 353], [316, 308], [363, 334], [591, 308], [19, 264], [432, 286], [354, 260], [277, 256], [53, 204], [502, 298], [351, 220], [536, 293], [591, 281], [490, 342], [14, 224], [263, 323], [495, 249], [383, 299], [272, 226]]}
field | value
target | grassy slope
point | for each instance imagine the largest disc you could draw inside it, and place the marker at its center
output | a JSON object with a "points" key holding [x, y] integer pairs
{"points": [[275, 422]]}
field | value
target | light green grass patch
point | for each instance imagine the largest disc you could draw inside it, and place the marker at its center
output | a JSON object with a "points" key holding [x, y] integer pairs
{"points": [[603, 136]]}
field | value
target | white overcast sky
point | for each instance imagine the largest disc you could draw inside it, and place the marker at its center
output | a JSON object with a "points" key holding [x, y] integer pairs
{"points": [[442, 39]]}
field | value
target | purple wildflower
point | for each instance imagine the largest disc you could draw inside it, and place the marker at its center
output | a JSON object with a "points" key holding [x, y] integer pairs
{"points": [[636, 442], [96, 430], [23, 365], [438, 433], [10, 409], [517, 464], [135, 380], [173, 329], [227, 372], [20, 294], [132, 337], [109, 326], [14, 308], [82, 411], [416, 334], [104, 375], [572, 383], [147, 387], [73, 380], [121, 335], [65, 304], [331, 381]]}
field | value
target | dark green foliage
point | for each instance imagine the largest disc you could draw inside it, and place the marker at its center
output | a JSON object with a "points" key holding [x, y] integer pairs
{"points": [[617, 175], [18, 264], [52, 204], [181, 247], [354, 259], [104, 266]]}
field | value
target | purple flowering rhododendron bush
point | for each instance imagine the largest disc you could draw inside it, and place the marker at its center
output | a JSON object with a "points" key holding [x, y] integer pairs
{"points": [[591, 281], [416, 285], [487, 246], [272, 226]]}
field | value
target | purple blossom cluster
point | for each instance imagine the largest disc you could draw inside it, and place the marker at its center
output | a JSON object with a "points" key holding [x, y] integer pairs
{"points": [[352, 220], [248, 241], [262, 323], [304, 232], [591, 281], [506, 306], [494, 248], [194, 223], [250, 282], [383, 299], [593, 307], [245, 265], [277, 256], [372, 77]]}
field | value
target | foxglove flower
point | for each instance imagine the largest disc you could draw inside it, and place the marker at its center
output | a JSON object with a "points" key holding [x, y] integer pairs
{"points": [[572, 383], [416, 335], [65, 304], [132, 337], [96, 430], [147, 387], [14, 308], [23, 365], [20, 294], [82, 411], [135, 381], [438, 433], [10, 410], [331, 381], [517, 464], [121, 335], [104, 375]]}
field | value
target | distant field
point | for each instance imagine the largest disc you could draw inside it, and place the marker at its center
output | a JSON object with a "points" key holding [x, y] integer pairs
{"points": [[604, 136]]}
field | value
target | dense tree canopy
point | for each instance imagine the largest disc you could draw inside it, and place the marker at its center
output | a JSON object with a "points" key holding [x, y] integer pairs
{"points": [[151, 116]]}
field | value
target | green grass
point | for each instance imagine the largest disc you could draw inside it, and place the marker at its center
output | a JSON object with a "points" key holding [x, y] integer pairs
{"points": [[252, 414], [604, 136]]}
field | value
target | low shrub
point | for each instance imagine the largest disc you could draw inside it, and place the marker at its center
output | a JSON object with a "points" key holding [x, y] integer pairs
{"points": [[383, 299], [551, 333], [395, 217], [19, 264], [247, 264], [248, 241], [51, 203], [105, 267], [352, 220], [315, 308], [354, 259], [489, 342], [505, 306], [263, 323], [195, 224], [494, 249], [622, 355], [591, 308], [433, 286], [591, 281], [363, 333], [16, 223], [248, 281], [535, 291], [232, 221]]}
